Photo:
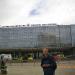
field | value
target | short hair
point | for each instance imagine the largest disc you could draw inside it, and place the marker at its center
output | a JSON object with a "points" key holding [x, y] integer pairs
{"points": [[45, 48]]}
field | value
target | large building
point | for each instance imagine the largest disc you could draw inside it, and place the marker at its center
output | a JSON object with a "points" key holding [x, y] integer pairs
{"points": [[24, 38]]}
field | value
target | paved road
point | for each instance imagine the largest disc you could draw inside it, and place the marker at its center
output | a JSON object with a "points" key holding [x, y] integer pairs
{"points": [[64, 68]]}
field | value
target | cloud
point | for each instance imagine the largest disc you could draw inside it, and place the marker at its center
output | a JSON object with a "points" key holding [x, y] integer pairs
{"points": [[56, 11], [37, 11], [34, 12], [12, 10]]}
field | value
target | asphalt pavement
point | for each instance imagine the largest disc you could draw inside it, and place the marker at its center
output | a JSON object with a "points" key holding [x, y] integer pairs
{"points": [[63, 68]]}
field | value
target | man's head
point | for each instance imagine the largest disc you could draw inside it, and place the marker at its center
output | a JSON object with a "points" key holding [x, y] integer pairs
{"points": [[45, 51]]}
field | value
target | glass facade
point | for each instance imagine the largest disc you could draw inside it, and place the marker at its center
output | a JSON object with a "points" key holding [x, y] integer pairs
{"points": [[52, 36], [65, 36]]}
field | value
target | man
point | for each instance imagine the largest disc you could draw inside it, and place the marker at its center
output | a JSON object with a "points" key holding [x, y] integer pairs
{"points": [[48, 63], [3, 66]]}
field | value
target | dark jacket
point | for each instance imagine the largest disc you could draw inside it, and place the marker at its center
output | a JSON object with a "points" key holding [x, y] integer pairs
{"points": [[51, 69]]}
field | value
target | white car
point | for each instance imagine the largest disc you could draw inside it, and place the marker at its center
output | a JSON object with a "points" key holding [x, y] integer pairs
{"points": [[6, 57]]}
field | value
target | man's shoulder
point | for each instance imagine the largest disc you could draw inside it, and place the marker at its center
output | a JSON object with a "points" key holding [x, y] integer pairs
{"points": [[51, 57]]}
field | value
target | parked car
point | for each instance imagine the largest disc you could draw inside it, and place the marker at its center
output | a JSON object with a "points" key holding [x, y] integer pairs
{"points": [[7, 57]]}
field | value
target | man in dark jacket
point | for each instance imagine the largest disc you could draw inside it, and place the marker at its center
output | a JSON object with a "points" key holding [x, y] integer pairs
{"points": [[3, 66], [48, 63]]}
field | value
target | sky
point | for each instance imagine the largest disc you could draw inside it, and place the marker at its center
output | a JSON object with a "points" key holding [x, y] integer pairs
{"points": [[20, 12]]}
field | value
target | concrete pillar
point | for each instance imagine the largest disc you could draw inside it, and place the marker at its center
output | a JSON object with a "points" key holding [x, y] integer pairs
{"points": [[38, 54]]}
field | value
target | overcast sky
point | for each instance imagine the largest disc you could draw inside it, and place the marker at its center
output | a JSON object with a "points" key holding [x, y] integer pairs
{"points": [[13, 12]]}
